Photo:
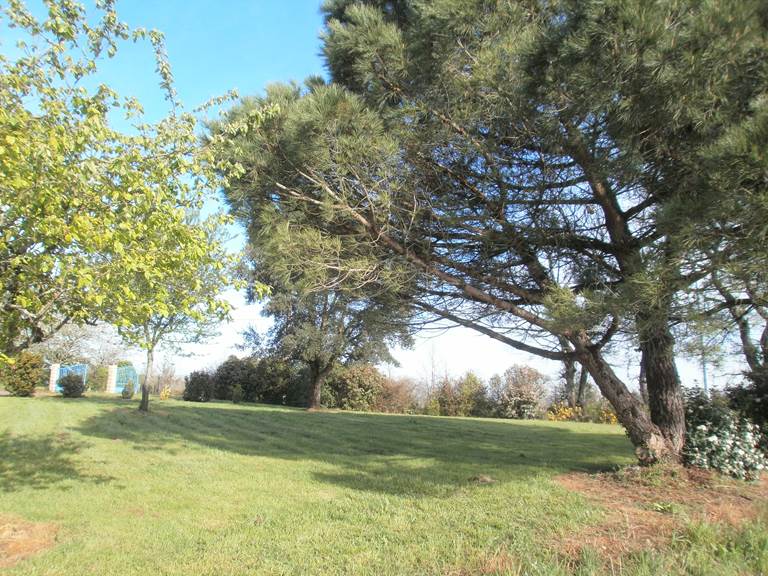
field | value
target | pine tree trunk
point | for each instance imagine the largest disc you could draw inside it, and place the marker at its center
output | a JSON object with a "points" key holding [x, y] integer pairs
{"points": [[144, 405], [651, 444], [643, 384], [583, 378], [665, 397], [569, 374]]}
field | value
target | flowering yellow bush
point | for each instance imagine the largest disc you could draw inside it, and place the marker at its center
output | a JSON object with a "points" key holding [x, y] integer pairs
{"points": [[600, 413], [561, 412], [165, 393], [607, 416]]}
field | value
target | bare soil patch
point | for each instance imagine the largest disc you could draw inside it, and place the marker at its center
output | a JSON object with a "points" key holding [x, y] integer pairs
{"points": [[20, 539], [644, 506]]}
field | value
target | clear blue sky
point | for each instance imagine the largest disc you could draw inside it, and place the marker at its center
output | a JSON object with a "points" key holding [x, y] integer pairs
{"points": [[216, 46]]}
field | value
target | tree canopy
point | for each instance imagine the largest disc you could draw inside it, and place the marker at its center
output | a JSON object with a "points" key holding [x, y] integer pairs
{"points": [[545, 173], [95, 221]]}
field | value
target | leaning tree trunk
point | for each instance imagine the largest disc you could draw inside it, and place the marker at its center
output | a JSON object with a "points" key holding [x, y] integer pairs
{"points": [[651, 444], [665, 395], [144, 405]]}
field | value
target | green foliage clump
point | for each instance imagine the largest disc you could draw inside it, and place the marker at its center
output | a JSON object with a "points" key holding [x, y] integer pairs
{"points": [[97, 378], [396, 396], [237, 394], [720, 439], [279, 382], [355, 387], [21, 376], [751, 398], [72, 386], [235, 372], [128, 390], [519, 393], [198, 387]]}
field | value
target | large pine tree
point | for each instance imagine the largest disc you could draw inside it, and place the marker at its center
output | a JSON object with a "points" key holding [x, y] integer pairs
{"points": [[535, 171]]}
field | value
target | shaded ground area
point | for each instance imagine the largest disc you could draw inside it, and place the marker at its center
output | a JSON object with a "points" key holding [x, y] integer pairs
{"points": [[40, 462], [645, 507], [224, 490], [370, 452], [20, 539]]}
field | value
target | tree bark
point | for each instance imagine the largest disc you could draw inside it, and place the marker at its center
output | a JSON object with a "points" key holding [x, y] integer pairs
{"points": [[665, 396], [583, 378], [651, 444], [317, 375], [144, 404], [569, 373], [643, 384]]}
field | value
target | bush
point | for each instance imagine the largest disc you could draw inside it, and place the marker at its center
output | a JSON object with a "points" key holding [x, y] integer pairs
{"points": [[97, 378], [72, 386], [397, 396], [198, 387], [354, 387], [21, 377], [235, 372], [561, 412], [165, 393], [718, 438], [128, 390], [751, 398], [519, 393], [237, 394]]}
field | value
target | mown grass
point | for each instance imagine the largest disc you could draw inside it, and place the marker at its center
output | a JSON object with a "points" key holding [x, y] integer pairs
{"points": [[226, 489]]}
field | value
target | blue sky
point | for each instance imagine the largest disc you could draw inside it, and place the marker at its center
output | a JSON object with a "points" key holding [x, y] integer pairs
{"points": [[245, 45], [218, 46]]}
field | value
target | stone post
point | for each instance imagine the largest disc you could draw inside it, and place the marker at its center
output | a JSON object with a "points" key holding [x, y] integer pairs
{"points": [[112, 378], [54, 377]]}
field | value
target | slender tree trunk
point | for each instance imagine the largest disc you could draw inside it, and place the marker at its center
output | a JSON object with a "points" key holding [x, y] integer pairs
{"points": [[144, 405], [583, 379], [665, 396], [569, 373], [643, 384], [651, 445]]}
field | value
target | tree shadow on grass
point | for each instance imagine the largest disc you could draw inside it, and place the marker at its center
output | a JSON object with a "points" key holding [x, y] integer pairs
{"points": [[38, 462], [390, 454]]}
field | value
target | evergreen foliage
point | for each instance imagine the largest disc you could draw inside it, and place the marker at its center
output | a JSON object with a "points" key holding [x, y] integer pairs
{"points": [[72, 386], [22, 375], [198, 387], [548, 174]]}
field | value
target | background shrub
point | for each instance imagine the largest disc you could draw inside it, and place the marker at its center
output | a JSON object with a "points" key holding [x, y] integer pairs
{"points": [[519, 393], [128, 390], [97, 377], [750, 399], [718, 438], [397, 396], [198, 387], [21, 377], [237, 394], [355, 387], [72, 386]]}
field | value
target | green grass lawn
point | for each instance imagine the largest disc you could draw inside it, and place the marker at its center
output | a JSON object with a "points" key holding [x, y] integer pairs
{"points": [[238, 489]]}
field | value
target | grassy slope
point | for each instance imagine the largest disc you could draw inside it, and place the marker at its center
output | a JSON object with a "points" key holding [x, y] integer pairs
{"points": [[223, 489]]}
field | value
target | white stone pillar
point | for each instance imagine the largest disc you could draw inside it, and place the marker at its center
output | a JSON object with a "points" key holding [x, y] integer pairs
{"points": [[55, 369], [112, 378]]}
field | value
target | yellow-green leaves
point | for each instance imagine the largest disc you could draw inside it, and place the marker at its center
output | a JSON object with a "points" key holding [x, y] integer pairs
{"points": [[95, 222]]}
